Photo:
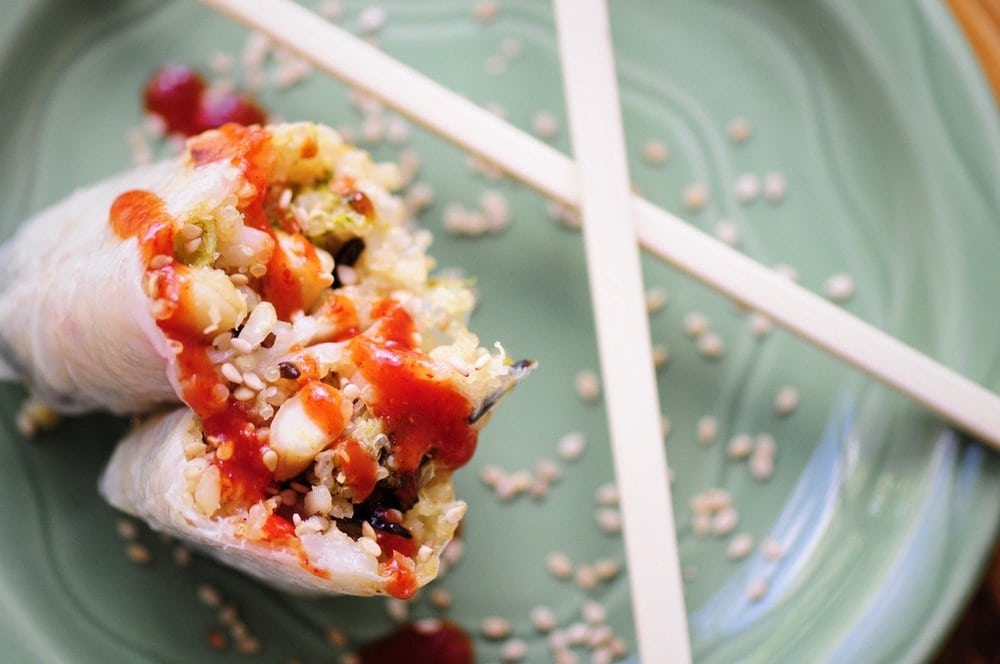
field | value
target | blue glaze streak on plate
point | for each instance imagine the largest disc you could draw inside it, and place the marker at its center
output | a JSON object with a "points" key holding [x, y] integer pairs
{"points": [[879, 118]]}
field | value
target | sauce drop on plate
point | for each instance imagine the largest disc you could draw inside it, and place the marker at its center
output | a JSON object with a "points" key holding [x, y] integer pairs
{"points": [[440, 642]]}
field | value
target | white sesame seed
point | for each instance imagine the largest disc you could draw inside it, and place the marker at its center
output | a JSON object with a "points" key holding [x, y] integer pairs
{"points": [[760, 324], [839, 287], [370, 547], [695, 324], [240, 346], [786, 400], [727, 231], [332, 10], [585, 577], [656, 299], [243, 394], [182, 556], [253, 381], [209, 595], [739, 130], [775, 187], [495, 627], [514, 650], [609, 520], [761, 467], [757, 589], [695, 196], [559, 565], [655, 153], [372, 19], [545, 124], [248, 645], [739, 446], [485, 10], [572, 446], [725, 521], [491, 476], [708, 429], [138, 553], [127, 529], [746, 189], [772, 549], [577, 633], [740, 546], [397, 609], [424, 553], [548, 470], [711, 346], [606, 495], [606, 569], [593, 612], [440, 599], [543, 618], [765, 445], [661, 355], [336, 637]]}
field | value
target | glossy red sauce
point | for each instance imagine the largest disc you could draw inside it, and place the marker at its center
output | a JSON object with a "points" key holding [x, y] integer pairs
{"points": [[173, 93], [402, 576], [424, 415], [141, 214], [244, 475], [359, 467], [180, 97], [323, 405], [391, 544], [293, 257], [447, 643]]}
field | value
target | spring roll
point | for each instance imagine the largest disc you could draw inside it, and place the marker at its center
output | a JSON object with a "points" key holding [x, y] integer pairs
{"points": [[269, 281]]}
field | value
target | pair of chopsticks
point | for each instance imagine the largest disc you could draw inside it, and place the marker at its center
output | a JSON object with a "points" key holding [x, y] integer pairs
{"points": [[965, 404]]}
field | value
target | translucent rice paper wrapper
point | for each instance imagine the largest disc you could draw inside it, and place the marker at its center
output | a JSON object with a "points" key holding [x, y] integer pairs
{"points": [[145, 478], [76, 326]]}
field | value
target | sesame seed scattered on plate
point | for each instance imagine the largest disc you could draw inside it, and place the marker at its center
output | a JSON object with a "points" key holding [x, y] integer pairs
{"points": [[495, 627], [695, 324], [587, 385], [572, 446], [543, 618], [707, 429], [655, 152], [559, 565], [746, 189], [775, 187], [839, 287], [656, 299], [786, 401], [695, 196], [739, 130], [740, 446], [740, 546]]}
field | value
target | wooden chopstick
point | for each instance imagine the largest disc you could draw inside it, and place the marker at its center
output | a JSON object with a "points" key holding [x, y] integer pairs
{"points": [[962, 402], [617, 294]]}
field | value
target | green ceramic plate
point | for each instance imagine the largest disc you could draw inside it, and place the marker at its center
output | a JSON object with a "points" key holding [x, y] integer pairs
{"points": [[877, 116]]}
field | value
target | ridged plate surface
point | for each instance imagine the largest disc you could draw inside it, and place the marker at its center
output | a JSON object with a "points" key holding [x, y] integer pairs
{"points": [[882, 124]]}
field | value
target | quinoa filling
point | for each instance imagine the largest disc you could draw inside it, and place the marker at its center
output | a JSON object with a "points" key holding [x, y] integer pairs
{"points": [[336, 382]]}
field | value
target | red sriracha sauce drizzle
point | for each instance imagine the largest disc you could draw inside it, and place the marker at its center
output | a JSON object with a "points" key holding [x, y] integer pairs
{"points": [[425, 416], [436, 642]]}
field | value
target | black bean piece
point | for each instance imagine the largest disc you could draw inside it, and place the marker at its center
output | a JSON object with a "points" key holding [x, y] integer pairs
{"points": [[289, 370]]}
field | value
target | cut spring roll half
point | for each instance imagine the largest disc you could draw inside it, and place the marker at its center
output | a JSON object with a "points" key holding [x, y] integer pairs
{"points": [[333, 385]]}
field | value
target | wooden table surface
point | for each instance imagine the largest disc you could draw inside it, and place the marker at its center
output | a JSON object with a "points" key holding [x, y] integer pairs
{"points": [[976, 637]]}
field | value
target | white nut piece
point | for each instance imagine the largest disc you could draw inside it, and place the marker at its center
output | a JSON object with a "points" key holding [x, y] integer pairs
{"points": [[296, 435], [208, 303]]}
